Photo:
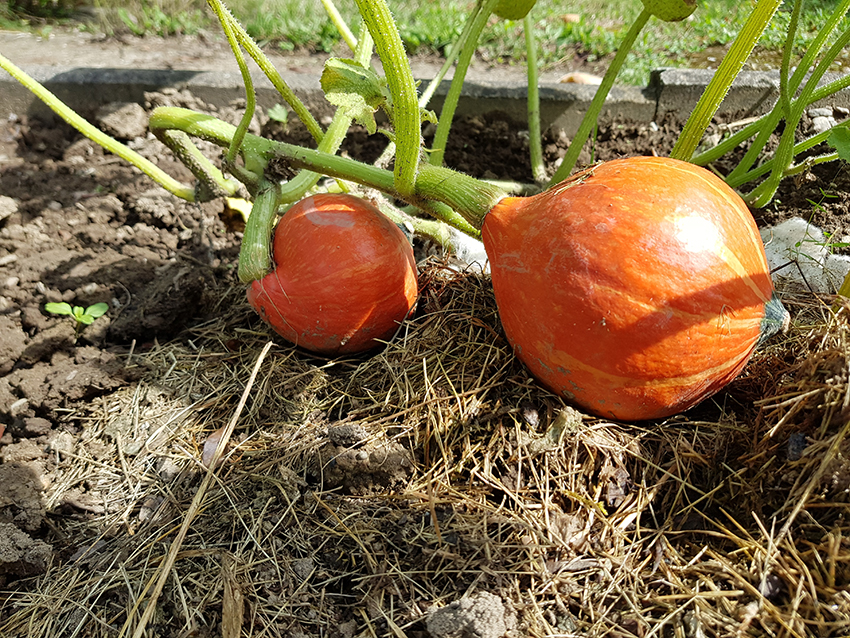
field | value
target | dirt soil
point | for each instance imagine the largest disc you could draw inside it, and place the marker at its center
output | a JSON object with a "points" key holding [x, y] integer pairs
{"points": [[80, 226]]}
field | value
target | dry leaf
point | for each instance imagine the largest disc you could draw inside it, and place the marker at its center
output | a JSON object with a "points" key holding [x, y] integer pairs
{"points": [[210, 446]]}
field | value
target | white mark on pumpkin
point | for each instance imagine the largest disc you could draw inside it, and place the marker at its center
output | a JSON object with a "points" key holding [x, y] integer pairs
{"points": [[320, 218], [697, 234]]}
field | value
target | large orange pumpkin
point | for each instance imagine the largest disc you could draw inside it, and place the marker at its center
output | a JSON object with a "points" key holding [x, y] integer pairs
{"points": [[344, 276], [635, 289]]}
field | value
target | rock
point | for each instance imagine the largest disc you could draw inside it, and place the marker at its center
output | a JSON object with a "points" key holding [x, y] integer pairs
{"points": [[580, 77], [821, 124], [36, 426], [482, 615], [8, 207], [800, 257], [123, 120], [20, 555], [820, 112], [24, 450], [13, 342], [347, 434], [20, 496], [62, 442], [823, 119], [303, 568]]}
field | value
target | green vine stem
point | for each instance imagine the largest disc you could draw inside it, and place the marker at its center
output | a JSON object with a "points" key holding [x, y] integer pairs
{"points": [[451, 58], [183, 191], [447, 113], [785, 65], [535, 138], [767, 122], [211, 182], [766, 128], [339, 23], [595, 108], [273, 75], [726, 73], [247, 81], [428, 93], [406, 119], [783, 157], [255, 252], [801, 147], [433, 229], [470, 198]]}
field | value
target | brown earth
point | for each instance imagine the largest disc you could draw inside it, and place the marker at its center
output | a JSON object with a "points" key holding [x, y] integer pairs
{"points": [[80, 226]]}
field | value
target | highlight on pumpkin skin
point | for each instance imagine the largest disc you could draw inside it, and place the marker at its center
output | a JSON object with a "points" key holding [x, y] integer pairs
{"points": [[636, 289]]}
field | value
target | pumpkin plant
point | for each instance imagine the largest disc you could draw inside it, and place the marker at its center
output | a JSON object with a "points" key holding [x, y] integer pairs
{"points": [[624, 295], [635, 289]]}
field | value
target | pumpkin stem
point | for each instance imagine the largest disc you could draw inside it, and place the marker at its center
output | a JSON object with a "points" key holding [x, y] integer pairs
{"points": [[776, 320]]}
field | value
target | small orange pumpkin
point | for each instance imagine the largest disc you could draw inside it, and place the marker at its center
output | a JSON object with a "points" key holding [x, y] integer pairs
{"points": [[635, 289], [344, 276]]}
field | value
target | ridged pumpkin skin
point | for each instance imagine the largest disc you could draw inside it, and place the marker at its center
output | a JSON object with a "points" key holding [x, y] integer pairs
{"points": [[635, 289], [344, 276]]}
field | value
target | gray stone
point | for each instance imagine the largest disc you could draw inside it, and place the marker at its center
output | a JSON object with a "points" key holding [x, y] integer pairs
{"points": [[20, 555], [482, 615], [821, 124], [8, 207], [820, 112], [123, 120]]}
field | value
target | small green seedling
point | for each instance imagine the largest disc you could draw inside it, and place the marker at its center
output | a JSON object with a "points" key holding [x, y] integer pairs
{"points": [[83, 317]]}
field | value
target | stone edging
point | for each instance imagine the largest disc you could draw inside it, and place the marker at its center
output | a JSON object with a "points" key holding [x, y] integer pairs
{"points": [[670, 91]]}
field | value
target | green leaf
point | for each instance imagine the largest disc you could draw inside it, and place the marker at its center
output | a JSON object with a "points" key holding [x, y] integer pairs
{"points": [[356, 89], [279, 113], [97, 310], [85, 319], [59, 308], [839, 139]]}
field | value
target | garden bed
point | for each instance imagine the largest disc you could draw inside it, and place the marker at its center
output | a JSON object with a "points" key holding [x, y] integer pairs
{"points": [[363, 494]]}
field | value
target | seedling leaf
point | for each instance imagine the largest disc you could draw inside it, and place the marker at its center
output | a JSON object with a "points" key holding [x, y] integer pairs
{"points": [[59, 308], [97, 310]]}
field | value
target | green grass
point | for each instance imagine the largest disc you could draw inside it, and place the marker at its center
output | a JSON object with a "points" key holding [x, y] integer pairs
{"points": [[429, 26]]}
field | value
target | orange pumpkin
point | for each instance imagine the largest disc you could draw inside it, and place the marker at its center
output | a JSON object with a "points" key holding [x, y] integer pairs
{"points": [[635, 289], [344, 276]]}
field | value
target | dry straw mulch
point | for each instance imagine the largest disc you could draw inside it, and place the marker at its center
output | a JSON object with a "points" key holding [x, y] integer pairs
{"points": [[359, 496]]}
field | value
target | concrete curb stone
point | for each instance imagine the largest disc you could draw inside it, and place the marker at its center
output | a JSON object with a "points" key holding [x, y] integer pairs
{"points": [[670, 92]]}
